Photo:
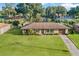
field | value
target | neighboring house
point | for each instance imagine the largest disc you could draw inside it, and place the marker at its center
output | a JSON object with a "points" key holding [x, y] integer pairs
{"points": [[14, 17], [4, 27], [46, 28], [76, 27], [26, 23]]}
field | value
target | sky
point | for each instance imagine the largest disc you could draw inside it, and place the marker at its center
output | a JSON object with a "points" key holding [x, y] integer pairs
{"points": [[3, 4], [66, 5]]}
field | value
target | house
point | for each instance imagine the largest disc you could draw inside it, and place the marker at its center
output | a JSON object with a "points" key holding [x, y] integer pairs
{"points": [[4, 27], [46, 28], [76, 27]]}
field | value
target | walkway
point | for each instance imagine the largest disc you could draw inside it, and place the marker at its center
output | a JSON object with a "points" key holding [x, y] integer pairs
{"points": [[72, 48]]}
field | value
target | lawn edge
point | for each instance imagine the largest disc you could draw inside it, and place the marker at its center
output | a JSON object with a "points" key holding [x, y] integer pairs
{"points": [[73, 41]]}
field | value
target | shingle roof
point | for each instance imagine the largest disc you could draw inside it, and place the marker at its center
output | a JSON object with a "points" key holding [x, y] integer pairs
{"points": [[44, 25]]}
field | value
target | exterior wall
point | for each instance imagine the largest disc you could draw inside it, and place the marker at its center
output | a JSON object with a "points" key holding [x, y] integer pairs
{"points": [[23, 31], [4, 29], [38, 31], [56, 31], [49, 31]]}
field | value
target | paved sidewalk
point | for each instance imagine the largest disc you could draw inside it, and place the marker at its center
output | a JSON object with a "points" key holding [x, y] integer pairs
{"points": [[72, 48]]}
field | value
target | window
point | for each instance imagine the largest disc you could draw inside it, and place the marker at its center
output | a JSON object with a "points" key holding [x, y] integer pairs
{"points": [[49, 30], [37, 30]]}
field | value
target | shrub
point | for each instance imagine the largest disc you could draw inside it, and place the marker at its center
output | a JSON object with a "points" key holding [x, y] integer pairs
{"points": [[71, 31], [9, 22], [49, 20], [56, 33], [30, 31], [15, 23]]}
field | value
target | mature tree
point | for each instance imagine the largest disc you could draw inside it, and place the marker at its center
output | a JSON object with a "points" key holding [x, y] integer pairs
{"points": [[8, 10], [61, 10], [22, 8], [50, 12], [72, 12], [15, 23], [54, 12], [43, 12], [29, 10], [77, 12]]}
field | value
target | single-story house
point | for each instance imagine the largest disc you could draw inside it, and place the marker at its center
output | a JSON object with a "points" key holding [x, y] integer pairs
{"points": [[46, 28], [4, 27], [76, 27]]}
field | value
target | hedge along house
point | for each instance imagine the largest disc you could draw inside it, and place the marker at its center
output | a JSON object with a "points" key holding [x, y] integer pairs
{"points": [[4, 27], [45, 28]]}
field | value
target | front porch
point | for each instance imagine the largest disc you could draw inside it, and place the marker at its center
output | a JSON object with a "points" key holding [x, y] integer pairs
{"points": [[45, 31]]}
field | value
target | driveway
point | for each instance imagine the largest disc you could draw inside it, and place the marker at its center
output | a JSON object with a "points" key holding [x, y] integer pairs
{"points": [[72, 48]]}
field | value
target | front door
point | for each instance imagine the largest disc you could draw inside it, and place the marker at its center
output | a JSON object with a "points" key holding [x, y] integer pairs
{"points": [[62, 31], [42, 31]]}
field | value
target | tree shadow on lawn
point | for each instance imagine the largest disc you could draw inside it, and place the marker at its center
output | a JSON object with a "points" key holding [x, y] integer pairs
{"points": [[20, 44], [18, 32], [48, 48]]}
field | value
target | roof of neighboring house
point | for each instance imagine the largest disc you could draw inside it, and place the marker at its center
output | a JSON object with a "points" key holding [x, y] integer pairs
{"points": [[26, 23], [3, 25], [44, 25]]}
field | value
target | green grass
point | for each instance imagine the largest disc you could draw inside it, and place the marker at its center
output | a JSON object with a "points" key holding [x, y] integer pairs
{"points": [[14, 44], [75, 39]]}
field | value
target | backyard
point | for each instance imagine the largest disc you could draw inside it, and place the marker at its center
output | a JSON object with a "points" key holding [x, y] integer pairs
{"points": [[13, 43], [75, 39]]}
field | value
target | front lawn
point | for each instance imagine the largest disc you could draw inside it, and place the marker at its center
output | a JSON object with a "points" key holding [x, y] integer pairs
{"points": [[75, 39], [14, 44]]}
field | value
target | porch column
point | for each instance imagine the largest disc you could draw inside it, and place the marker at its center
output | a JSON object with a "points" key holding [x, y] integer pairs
{"points": [[44, 31], [23, 31], [66, 31], [40, 32]]}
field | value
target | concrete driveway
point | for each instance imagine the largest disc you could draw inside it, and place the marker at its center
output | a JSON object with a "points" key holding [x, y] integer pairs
{"points": [[72, 48]]}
